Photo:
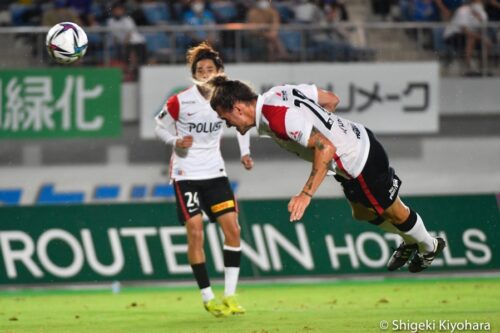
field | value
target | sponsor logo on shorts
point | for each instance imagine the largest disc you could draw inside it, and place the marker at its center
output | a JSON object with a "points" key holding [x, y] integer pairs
{"points": [[221, 206], [394, 188]]}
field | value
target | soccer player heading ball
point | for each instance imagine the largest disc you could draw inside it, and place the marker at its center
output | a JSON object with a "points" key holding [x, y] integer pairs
{"points": [[301, 119], [199, 176]]}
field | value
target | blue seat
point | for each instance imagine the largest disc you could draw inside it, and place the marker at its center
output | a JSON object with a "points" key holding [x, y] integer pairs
{"points": [[17, 13], [292, 40], [225, 11], [156, 41], [156, 13]]}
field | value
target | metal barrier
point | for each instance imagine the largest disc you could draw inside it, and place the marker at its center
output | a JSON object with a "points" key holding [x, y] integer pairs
{"points": [[346, 42]]}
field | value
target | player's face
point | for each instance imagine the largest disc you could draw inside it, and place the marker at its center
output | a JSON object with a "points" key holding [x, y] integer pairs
{"points": [[205, 70], [239, 117]]}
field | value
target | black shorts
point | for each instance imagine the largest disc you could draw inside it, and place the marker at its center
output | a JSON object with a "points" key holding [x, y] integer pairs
{"points": [[378, 185], [214, 196]]}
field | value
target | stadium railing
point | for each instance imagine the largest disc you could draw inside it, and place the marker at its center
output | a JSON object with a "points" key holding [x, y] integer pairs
{"points": [[346, 42]]}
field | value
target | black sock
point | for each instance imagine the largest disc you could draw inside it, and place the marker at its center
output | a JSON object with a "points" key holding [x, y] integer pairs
{"points": [[409, 223], [232, 258], [201, 275]]}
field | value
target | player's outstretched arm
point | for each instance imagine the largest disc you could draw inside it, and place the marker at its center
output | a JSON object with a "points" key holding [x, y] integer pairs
{"points": [[328, 100], [323, 154]]}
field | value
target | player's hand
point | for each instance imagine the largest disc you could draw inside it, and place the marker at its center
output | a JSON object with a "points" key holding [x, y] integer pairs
{"points": [[297, 206], [247, 162], [185, 142]]}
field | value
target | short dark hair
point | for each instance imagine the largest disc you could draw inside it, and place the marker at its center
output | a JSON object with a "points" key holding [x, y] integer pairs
{"points": [[200, 52], [226, 92]]}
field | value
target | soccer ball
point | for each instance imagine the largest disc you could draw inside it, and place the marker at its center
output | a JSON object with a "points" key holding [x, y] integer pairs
{"points": [[66, 42]]}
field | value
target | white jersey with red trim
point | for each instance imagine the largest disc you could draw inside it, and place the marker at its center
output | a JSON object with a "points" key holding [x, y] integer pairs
{"points": [[288, 114], [191, 114]]}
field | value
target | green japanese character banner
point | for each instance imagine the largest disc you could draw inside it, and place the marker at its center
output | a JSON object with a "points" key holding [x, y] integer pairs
{"points": [[60, 103]]}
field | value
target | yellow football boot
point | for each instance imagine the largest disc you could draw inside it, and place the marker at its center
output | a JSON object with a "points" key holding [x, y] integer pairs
{"points": [[232, 304]]}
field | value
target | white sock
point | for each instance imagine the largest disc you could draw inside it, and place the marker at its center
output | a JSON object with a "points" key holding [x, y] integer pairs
{"points": [[389, 227], [207, 294], [421, 236], [231, 280], [231, 273]]}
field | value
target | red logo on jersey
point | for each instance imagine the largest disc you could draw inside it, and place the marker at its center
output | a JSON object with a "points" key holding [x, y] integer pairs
{"points": [[296, 134], [279, 94], [190, 114]]}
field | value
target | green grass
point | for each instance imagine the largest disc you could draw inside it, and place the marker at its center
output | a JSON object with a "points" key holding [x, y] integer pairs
{"points": [[346, 306]]}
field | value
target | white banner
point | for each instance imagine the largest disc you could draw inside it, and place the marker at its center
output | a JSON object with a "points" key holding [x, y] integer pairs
{"points": [[388, 98]]}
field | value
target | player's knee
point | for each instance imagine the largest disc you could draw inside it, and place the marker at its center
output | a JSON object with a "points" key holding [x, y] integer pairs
{"points": [[195, 235], [232, 232]]}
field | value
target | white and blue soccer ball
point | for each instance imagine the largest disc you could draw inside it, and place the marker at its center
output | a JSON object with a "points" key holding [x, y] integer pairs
{"points": [[66, 42]]}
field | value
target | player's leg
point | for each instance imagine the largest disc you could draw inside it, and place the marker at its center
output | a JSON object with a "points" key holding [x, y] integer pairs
{"points": [[406, 248], [363, 213], [378, 187], [221, 206], [232, 259], [412, 225], [189, 212]]}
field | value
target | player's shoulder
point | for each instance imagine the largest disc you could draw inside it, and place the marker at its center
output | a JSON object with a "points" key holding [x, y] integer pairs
{"points": [[179, 101], [276, 95], [186, 96], [187, 92]]}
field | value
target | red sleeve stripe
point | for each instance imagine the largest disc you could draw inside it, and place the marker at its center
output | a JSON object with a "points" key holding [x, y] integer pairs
{"points": [[369, 195], [173, 107], [181, 202], [276, 117]]}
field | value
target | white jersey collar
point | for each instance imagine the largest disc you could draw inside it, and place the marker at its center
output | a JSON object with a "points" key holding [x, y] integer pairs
{"points": [[199, 96]]}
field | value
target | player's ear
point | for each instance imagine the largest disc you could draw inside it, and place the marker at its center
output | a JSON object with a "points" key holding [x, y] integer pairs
{"points": [[237, 108]]}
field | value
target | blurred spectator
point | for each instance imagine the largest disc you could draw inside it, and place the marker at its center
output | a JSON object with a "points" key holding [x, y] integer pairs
{"points": [[424, 11], [339, 12], [82, 8], [307, 11], [60, 13], [138, 15], [447, 8], [266, 40], [5, 16], [335, 11], [493, 10], [129, 43], [335, 43], [198, 16], [381, 8], [463, 33]]}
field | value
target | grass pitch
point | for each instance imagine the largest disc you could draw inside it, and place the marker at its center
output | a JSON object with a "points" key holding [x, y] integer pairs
{"points": [[345, 306]]}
